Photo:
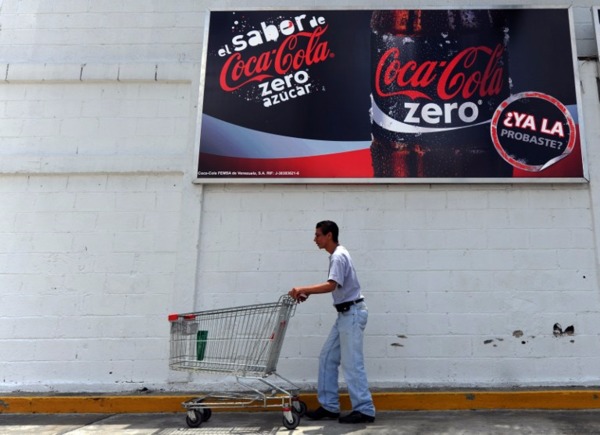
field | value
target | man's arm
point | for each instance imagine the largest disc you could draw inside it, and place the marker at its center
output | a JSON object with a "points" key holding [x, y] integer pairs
{"points": [[325, 287]]}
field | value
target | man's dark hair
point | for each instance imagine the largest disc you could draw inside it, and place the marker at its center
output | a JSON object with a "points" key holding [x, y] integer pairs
{"points": [[329, 227]]}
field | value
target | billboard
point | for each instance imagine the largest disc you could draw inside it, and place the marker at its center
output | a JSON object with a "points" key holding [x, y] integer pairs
{"points": [[469, 95]]}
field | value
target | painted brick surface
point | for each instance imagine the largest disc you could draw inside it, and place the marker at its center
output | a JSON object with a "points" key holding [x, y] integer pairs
{"points": [[103, 233]]}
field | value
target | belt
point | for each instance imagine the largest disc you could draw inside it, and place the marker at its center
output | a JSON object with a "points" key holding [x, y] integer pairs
{"points": [[345, 306]]}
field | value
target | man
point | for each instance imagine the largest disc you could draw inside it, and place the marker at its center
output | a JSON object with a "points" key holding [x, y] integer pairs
{"points": [[345, 342]]}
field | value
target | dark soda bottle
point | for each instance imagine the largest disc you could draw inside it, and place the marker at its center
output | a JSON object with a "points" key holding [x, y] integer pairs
{"points": [[437, 76]]}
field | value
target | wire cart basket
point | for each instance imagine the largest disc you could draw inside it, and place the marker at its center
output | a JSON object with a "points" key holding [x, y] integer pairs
{"points": [[244, 342]]}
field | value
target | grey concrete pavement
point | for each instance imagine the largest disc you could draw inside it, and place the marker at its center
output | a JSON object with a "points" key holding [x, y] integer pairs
{"points": [[259, 423]]}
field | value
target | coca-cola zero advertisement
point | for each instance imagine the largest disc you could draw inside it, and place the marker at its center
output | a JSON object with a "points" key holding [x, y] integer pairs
{"points": [[390, 96]]}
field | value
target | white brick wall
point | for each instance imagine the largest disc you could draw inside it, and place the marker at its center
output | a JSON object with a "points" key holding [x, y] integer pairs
{"points": [[88, 270], [441, 280], [102, 232]]}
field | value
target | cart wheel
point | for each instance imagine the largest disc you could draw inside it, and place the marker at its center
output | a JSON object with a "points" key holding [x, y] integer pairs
{"points": [[299, 407], [293, 423], [206, 414], [194, 418]]}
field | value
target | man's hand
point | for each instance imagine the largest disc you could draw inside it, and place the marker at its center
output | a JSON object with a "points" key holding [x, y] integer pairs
{"points": [[297, 295]]}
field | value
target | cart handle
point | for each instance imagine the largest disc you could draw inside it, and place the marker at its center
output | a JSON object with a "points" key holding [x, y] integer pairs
{"points": [[176, 317]]}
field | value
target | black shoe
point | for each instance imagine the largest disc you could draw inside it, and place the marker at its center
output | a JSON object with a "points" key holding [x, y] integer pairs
{"points": [[357, 417], [321, 413]]}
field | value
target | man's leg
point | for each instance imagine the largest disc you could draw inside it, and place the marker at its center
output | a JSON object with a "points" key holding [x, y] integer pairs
{"points": [[329, 361], [351, 328]]}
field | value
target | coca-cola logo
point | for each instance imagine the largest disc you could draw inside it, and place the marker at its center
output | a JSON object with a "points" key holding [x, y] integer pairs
{"points": [[280, 73], [238, 72], [458, 77]]}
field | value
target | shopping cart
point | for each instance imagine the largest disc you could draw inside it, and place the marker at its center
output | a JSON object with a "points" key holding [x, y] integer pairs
{"points": [[244, 342]]}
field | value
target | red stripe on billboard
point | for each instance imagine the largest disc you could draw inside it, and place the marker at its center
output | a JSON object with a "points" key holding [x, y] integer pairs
{"points": [[354, 164]]}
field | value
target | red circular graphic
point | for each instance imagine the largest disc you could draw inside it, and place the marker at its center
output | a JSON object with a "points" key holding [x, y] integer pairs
{"points": [[532, 131]]}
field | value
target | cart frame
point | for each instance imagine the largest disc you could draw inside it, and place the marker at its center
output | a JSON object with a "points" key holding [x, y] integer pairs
{"points": [[244, 342]]}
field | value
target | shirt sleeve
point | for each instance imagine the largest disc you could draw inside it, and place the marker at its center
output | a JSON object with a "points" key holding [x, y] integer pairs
{"points": [[337, 269]]}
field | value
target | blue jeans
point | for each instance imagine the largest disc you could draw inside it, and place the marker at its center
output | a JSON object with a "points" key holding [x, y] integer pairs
{"points": [[345, 346]]}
